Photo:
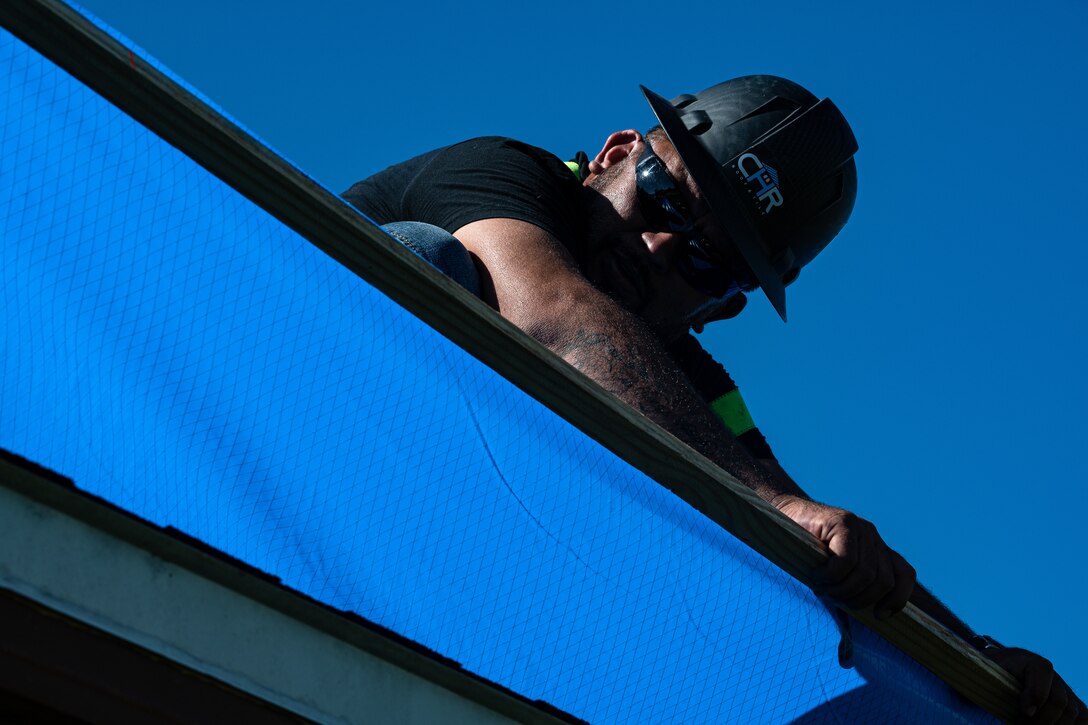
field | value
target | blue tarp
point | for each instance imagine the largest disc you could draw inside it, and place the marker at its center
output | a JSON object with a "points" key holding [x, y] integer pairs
{"points": [[179, 352]]}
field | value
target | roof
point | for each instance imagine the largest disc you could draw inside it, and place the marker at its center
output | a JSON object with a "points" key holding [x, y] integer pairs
{"points": [[203, 336], [84, 586]]}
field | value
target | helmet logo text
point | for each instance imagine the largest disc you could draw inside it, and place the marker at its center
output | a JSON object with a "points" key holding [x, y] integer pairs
{"points": [[762, 180]]}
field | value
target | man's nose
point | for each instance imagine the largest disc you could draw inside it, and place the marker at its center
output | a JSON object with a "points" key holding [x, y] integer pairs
{"points": [[664, 246]]}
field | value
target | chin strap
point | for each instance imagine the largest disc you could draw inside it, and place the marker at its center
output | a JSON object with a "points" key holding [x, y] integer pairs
{"points": [[728, 311]]}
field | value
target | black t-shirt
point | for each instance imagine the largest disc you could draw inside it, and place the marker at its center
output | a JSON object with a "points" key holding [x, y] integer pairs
{"points": [[483, 178], [493, 177]]}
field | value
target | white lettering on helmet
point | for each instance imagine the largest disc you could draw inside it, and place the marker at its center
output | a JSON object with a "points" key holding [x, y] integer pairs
{"points": [[764, 178]]}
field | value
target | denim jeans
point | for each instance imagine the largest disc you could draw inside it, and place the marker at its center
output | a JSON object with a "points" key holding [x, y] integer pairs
{"points": [[440, 248]]}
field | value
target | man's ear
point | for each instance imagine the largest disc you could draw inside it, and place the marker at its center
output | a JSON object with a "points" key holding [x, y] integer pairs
{"points": [[619, 146]]}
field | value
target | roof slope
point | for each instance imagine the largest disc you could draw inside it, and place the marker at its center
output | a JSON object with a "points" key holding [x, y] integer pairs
{"points": [[161, 327]]}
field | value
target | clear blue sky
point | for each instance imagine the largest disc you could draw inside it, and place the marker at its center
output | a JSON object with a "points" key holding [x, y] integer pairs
{"points": [[928, 378]]}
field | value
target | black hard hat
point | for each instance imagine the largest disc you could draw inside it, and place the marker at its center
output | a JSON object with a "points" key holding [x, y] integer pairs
{"points": [[773, 163]]}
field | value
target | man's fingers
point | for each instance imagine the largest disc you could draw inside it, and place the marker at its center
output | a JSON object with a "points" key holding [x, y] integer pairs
{"points": [[882, 581], [1063, 700], [1057, 702], [1072, 710], [870, 580], [1055, 710], [1037, 685], [1044, 695], [1082, 714], [862, 571], [843, 535], [844, 546], [898, 597]]}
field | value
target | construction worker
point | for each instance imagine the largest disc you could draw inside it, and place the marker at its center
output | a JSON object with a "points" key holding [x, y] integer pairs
{"points": [[610, 262]]}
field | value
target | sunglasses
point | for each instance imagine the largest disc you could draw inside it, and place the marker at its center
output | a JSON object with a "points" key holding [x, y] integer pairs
{"points": [[664, 208]]}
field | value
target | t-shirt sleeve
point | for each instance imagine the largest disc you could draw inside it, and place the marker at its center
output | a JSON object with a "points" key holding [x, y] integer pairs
{"points": [[483, 178], [717, 388]]}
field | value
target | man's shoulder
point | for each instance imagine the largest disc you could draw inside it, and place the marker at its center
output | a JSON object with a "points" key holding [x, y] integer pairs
{"points": [[486, 177], [489, 156], [489, 150]]}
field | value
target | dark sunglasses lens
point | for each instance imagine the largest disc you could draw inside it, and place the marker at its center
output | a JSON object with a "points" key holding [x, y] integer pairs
{"points": [[663, 208], [660, 201]]}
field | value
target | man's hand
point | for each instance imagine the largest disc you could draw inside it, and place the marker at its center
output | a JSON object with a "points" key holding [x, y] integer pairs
{"points": [[1044, 697], [862, 571]]}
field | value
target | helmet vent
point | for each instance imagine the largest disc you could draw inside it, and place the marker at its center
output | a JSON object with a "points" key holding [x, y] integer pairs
{"points": [[697, 121], [684, 99], [778, 104], [783, 108], [828, 192]]}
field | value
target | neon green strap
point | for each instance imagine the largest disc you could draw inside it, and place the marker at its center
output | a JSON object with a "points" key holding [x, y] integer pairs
{"points": [[573, 166], [733, 412]]}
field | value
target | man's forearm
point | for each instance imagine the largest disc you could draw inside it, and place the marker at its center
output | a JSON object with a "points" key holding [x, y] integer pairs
{"points": [[617, 351], [621, 354]]}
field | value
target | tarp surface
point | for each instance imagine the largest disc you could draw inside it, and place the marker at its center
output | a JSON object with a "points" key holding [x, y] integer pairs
{"points": [[176, 350]]}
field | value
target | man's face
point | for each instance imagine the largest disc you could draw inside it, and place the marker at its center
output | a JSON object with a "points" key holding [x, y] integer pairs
{"points": [[636, 264]]}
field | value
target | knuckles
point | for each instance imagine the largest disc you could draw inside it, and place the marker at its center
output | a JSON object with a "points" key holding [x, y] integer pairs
{"points": [[886, 580]]}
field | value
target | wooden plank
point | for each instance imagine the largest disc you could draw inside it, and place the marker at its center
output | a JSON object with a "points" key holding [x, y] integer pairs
{"points": [[57, 543], [108, 67], [43, 653]]}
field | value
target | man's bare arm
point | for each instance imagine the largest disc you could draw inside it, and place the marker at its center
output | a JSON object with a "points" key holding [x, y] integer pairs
{"points": [[536, 286], [531, 280]]}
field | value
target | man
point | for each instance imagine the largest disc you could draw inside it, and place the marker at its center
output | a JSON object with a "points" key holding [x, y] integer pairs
{"points": [[610, 262]]}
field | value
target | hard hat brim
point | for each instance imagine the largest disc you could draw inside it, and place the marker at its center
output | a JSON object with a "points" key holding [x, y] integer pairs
{"points": [[722, 198]]}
